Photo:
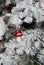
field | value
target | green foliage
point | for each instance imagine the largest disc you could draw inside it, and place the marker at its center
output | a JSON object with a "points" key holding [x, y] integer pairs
{"points": [[26, 59], [30, 60]]}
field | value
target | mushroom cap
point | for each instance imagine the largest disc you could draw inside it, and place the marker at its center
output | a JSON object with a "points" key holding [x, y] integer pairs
{"points": [[18, 33]]}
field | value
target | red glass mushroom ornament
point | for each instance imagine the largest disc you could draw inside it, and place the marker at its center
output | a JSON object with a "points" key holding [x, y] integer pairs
{"points": [[6, 7], [18, 35]]}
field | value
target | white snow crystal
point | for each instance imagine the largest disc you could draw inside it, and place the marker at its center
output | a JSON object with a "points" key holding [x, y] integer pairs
{"points": [[21, 15], [27, 12], [22, 4], [7, 61], [28, 19], [29, 1], [19, 51], [41, 15], [42, 5], [8, 2], [17, 1], [37, 44], [40, 10], [2, 27], [8, 52], [16, 21], [41, 55]]}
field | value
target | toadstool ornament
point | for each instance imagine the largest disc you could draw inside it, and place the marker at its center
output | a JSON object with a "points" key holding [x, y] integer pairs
{"points": [[18, 35]]}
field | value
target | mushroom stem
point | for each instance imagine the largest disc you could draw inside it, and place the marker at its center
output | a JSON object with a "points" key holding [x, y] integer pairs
{"points": [[18, 39]]}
